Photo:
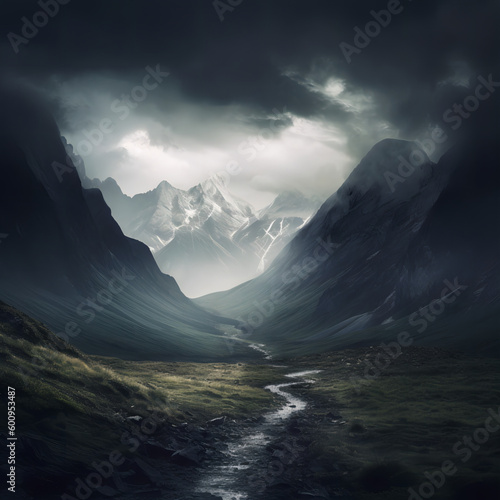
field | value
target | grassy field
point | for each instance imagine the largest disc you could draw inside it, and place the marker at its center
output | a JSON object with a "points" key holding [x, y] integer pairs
{"points": [[381, 435], [375, 437], [73, 408], [204, 390]]}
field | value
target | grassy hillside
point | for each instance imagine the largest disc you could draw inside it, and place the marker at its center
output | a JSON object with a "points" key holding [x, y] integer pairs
{"points": [[378, 437], [373, 433], [450, 330], [72, 409]]}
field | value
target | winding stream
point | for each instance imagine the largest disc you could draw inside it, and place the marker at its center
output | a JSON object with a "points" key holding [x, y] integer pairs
{"points": [[245, 456]]}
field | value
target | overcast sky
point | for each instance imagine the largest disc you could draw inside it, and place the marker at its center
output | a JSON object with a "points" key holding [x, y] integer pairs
{"points": [[276, 92]]}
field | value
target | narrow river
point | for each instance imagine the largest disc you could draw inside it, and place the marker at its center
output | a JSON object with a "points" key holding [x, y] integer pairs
{"points": [[244, 468]]}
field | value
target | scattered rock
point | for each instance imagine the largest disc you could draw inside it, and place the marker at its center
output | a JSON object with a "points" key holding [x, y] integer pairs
{"points": [[189, 456], [333, 416], [135, 418], [217, 421]]}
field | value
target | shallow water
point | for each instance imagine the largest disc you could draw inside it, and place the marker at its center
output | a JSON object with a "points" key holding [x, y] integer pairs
{"points": [[244, 457]]}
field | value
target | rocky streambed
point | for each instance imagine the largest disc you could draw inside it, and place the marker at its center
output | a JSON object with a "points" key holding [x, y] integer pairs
{"points": [[257, 458], [248, 468]]}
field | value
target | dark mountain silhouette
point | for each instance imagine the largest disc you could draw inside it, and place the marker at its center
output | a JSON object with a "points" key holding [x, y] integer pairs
{"points": [[378, 253], [65, 261]]}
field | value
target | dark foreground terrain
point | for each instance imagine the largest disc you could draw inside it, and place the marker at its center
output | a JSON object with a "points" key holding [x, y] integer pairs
{"points": [[93, 427]]}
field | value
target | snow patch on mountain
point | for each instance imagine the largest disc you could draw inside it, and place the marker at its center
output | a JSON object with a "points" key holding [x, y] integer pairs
{"points": [[205, 237]]}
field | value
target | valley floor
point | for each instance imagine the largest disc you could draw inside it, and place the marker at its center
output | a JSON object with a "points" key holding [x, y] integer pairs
{"points": [[389, 433], [423, 424]]}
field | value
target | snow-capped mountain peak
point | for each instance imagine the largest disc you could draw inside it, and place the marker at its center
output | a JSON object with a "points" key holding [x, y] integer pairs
{"points": [[206, 230]]}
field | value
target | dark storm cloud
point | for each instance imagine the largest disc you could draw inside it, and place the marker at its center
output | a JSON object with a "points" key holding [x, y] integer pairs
{"points": [[266, 55], [242, 58]]}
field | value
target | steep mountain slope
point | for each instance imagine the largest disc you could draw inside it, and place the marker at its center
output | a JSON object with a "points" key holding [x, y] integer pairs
{"points": [[205, 231], [373, 256], [65, 261], [291, 204], [275, 226]]}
